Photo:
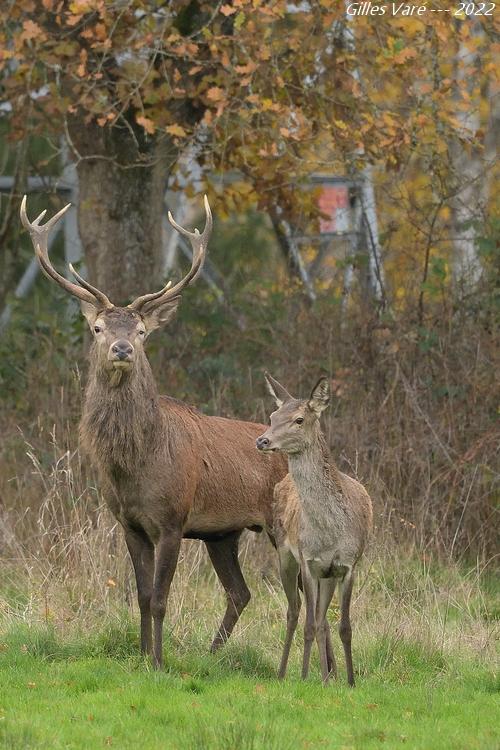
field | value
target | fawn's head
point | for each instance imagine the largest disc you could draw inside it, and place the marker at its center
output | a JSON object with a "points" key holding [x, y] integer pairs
{"points": [[295, 423], [119, 332]]}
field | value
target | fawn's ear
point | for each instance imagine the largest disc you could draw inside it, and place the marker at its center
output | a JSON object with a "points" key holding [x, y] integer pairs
{"points": [[320, 396], [90, 312], [277, 391], [162, 315]]}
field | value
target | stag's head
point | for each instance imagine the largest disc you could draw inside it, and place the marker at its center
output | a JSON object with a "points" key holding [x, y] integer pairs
{"points": [[119, 332], [295, 423]]}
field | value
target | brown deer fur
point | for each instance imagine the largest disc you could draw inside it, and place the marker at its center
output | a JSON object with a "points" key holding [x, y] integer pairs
{"points": [[167, 471], [322, 519]]}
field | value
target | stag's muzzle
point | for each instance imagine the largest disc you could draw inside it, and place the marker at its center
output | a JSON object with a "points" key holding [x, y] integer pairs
{"points": [[121, 352]]}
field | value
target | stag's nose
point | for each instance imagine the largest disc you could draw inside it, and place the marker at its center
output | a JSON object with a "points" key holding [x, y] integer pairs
{"points": [[262, 442], [122, 350]]}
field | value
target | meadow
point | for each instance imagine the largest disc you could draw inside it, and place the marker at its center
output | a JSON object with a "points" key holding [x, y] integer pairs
{"points": [[71, 675]]}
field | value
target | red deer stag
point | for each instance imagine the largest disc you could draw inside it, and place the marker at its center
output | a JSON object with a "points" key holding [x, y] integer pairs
{"points": [[322, 522], [167, 471]]}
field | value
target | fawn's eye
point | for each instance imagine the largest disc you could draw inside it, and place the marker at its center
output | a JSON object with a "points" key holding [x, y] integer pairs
{"points": [[299, 420], [97, 329]]}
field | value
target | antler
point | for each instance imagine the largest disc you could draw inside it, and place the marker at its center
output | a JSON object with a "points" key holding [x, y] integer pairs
{"points": [[39, 237], [199, 242]]}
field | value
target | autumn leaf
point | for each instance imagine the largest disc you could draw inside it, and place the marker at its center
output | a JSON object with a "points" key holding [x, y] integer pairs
{"points": [[177, 130], [250, 67], [404, 55], [227, 10], [82, 68], [31, 30], [146, 123], [215, 94], [239, 20]]}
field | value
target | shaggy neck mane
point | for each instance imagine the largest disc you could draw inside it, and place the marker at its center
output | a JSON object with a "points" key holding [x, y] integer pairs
{"points": [[120, 423]]}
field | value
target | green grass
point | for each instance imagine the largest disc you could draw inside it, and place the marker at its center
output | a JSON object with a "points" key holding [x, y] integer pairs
{"points": [[69, 692]]}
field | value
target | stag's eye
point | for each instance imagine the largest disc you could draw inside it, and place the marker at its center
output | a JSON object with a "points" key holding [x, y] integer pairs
{"points": [[97, 329], [141, 332], [299, 420]]}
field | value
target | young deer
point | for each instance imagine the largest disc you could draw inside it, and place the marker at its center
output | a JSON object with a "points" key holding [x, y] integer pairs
{"points": [[166, 470], [322, 519]]}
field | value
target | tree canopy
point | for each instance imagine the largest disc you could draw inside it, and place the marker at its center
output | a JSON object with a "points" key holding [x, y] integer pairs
{"points": [[275, 91]]}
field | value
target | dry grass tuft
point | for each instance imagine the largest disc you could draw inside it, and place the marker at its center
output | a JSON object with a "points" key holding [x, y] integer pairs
{"points": [[65, 564]]}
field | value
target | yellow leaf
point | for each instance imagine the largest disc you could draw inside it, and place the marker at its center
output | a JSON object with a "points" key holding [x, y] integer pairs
{"points": [[177, 130]]}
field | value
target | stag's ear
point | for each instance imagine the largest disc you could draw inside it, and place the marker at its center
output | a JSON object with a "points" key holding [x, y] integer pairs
{"points": [[161, 315], [276, 390], [90, 312], [320, 396]]}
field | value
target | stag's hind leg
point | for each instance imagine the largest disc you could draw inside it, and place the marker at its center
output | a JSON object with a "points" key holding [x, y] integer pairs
{"points": [[142, 552], [224, 557]]}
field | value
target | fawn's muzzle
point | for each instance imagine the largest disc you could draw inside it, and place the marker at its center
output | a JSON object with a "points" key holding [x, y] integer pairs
{"points": [[262, 443]]}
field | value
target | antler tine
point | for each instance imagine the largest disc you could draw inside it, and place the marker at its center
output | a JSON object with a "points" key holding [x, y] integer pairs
{"points": [[92, 289], [39, 237], [199, 244]]}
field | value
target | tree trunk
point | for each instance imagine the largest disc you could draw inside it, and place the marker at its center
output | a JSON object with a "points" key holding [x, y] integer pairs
{"points": [[122, 181], [469, 175]]}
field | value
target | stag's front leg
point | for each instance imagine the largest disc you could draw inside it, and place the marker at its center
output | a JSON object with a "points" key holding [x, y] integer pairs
{"points": [[142, 553], [167, 553]]}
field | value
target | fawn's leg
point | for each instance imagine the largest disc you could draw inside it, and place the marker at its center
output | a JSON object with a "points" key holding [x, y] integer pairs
{"points": [[330, 658], [310, 587], [327, 659], [345, 623], [289, 572]]}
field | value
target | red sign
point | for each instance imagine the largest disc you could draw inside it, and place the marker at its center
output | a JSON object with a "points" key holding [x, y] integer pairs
{"points": [[333, 202]]}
